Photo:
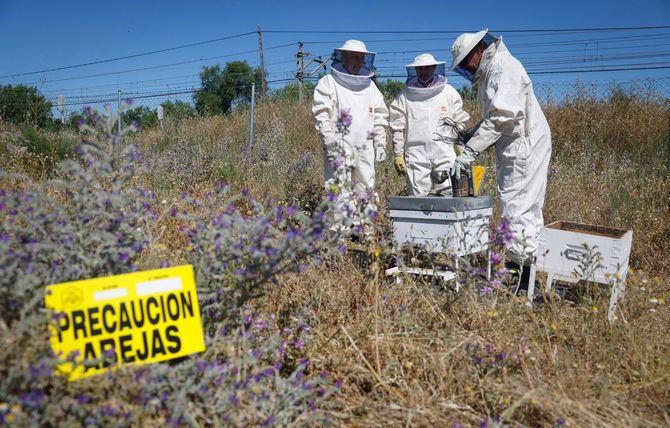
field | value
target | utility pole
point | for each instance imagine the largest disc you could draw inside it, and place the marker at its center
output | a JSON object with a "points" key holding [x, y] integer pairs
{"points": [[61, 108], [260, 48], [302, 69], [301, 72]]}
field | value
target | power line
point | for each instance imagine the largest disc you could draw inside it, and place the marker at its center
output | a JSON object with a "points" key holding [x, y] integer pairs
{"points": [[118, 85], [586, 49], [179, 86], [317, 42], [551, 60], [592, 63], [590, 69], [660, 67], [555, 30], [129, 56], [157, 66], [542, 44], [139, 97], [623, 67], [564, 60], [601, 40], [597, 60], [109, 98], [512, 31]]}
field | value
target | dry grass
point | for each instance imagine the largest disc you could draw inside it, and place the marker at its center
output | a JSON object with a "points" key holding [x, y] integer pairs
{"points": [[563, 361], [408, 353]]}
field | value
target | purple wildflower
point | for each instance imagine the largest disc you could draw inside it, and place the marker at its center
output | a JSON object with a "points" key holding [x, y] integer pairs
{"points": [[83, 399], [504, 234], [495, 257], [345, 117], [374, 134], [32, 399]]}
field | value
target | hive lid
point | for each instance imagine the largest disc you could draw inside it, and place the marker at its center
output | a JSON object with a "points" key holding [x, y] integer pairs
{"points": [[439, 203], [589, 229]]}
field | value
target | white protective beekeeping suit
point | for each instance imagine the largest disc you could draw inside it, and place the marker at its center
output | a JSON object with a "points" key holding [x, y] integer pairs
{"points": [[514, 122], [419, 133], [352, 88]]}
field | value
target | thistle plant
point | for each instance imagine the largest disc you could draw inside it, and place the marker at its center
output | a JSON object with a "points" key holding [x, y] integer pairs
{"points": [[354, 205], [93, 220], [238, 247], [90, 221]]}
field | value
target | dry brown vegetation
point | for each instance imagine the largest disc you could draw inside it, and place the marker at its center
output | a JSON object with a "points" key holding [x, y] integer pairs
{"points": [[414, 355]]}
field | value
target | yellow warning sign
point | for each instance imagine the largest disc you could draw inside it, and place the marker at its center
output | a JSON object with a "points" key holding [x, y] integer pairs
{"points": [[135, 318]]}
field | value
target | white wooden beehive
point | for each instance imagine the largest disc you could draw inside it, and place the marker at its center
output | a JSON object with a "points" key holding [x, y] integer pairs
{"points": [[563, 248], [440, 224]]}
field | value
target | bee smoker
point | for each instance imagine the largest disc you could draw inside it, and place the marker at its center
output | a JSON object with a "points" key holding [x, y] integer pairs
{"points": [[463, 186], [460, 187]]}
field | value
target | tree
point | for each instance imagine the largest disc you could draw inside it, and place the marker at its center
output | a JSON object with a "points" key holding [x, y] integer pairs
{"points": [[77, 118], [220, 88], [290, 92], [178, 110], [390, 89], [619, 95], [23, 104], [142, 115]]}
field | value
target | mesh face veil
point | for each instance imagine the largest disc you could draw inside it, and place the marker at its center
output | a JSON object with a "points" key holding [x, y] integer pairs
{"points": [[463, 46], [353, 58], [425, 72], [415, 77]]}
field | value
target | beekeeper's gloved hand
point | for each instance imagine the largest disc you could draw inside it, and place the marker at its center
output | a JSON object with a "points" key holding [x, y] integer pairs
{"points": [[400, 165], [463, 161], [380, 154]]}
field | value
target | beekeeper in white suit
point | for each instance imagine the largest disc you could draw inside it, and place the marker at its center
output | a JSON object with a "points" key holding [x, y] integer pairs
{"points": [[512, 121], [421, 142], [349, 86]]}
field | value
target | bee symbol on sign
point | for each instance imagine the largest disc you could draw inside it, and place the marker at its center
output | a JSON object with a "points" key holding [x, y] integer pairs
{"points": [[72, 297]]}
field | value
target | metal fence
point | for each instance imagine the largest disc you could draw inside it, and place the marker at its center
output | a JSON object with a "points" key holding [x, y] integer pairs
{"points": [[69, 108], [556, 93]]}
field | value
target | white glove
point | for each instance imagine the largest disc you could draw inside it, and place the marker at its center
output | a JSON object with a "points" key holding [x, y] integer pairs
{"points": [[463, 161], [380, 154]]}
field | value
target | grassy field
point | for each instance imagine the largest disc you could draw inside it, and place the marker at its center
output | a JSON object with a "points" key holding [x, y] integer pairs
{"points": [[414, 355]]}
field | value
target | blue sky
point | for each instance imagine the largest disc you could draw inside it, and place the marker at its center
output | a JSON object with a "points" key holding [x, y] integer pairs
{"points": [[37, 35]]}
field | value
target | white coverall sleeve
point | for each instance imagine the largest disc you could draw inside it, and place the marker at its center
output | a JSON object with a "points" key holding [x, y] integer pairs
{"points": [[398, 124], [506, 107], [381, 120], [323, 109]]}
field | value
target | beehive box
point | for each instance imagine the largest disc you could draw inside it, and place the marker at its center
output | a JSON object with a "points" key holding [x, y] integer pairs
{"points": [[564, 247], [458, 225]]}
